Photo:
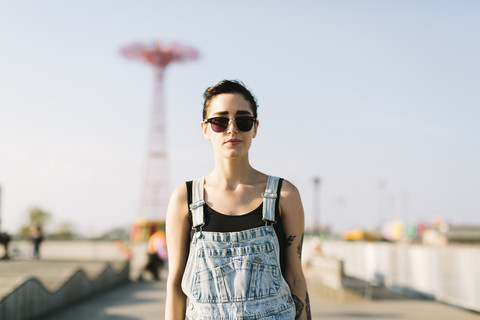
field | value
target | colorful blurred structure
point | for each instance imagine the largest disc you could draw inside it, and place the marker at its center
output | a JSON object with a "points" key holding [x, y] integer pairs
{"points": [[448, 234], [359, 234], [393, 231], [155, 191], [143, 229], [435, 234]]}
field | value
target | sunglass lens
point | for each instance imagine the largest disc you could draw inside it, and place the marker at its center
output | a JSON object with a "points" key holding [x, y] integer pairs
{"points": [[219, 124], [244, 123]]}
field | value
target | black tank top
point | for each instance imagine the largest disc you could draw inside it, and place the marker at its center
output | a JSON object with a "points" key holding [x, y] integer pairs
{"points": [[218, 222]]}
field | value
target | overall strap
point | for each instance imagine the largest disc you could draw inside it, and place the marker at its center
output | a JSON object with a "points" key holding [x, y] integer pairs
{"points": [[269, 198], [198, 219]]}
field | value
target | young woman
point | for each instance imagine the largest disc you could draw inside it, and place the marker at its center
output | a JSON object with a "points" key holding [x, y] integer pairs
{"points": [[235, 235]]}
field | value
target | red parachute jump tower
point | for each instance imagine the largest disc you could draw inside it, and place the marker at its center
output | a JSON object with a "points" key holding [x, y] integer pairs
{"points": [[155, 191]]}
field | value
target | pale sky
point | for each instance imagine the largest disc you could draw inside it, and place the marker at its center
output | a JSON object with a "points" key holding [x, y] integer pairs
{"points": [[360, 93]]}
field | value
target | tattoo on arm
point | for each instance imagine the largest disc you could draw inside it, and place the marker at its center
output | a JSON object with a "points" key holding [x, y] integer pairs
{"points": [[307, 307], [298, 306], [299, 248], [289, 241]]}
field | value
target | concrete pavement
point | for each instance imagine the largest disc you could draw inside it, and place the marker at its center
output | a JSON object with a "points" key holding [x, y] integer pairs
{"points": [[146, 301], [132, 301]]}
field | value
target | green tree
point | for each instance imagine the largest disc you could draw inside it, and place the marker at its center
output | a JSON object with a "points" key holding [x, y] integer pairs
{"points": [[64, 232], [34, 215]]}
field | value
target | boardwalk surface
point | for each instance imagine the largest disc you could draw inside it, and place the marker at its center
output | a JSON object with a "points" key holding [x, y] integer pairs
{"points": [[145, 301]]}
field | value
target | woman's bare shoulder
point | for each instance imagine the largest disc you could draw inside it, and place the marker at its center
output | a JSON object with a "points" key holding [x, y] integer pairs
{"points": [[288, 190], [290, 200], [180, 192], [178, 201]]}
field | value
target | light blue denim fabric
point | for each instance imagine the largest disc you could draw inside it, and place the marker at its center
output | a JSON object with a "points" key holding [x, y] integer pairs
{"points": [[236, 275]]}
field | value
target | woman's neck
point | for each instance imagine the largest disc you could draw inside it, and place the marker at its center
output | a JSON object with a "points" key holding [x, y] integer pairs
{"points": [[231, 172]]}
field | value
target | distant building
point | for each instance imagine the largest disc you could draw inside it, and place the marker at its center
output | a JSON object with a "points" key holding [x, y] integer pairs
{"points": [[448, 234]]}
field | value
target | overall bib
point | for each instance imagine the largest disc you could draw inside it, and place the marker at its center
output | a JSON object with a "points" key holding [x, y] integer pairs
{"points": [[236, 275]]}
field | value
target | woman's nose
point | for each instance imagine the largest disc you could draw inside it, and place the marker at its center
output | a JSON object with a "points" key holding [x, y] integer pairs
{"points": [[232, 126]]}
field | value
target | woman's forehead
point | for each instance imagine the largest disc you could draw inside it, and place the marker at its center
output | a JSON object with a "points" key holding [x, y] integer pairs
{"points": [[230, 104], [231, 113]]}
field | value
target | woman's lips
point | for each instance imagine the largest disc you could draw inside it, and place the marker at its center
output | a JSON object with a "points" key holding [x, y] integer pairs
{"points": [[233, 142]]}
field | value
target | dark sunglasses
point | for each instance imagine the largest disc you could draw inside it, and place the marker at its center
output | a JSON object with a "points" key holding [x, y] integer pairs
{"points": [[220, 124]]}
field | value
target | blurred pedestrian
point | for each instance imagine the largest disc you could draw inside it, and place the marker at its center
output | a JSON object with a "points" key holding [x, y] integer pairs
{"points": [[36, 237], [5, 240], [157, 255]]}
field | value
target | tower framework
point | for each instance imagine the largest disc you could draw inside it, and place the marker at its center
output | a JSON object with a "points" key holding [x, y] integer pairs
{"points": [[155, 190]]}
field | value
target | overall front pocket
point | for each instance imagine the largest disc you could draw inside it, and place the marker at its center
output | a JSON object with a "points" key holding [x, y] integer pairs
{"points": [[238, 280]]}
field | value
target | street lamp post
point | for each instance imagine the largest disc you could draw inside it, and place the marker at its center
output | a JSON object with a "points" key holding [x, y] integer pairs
{"points": [[316, 198]]}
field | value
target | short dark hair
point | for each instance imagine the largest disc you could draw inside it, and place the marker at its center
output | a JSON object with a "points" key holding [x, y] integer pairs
{"points": [[228, 86]]}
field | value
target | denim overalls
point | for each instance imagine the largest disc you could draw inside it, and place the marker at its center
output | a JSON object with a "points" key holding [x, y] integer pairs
{"points": [[236, 275]]}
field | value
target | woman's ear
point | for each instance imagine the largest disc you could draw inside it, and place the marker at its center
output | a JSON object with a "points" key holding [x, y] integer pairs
{"points": [[255, 127], [204, 126]]}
